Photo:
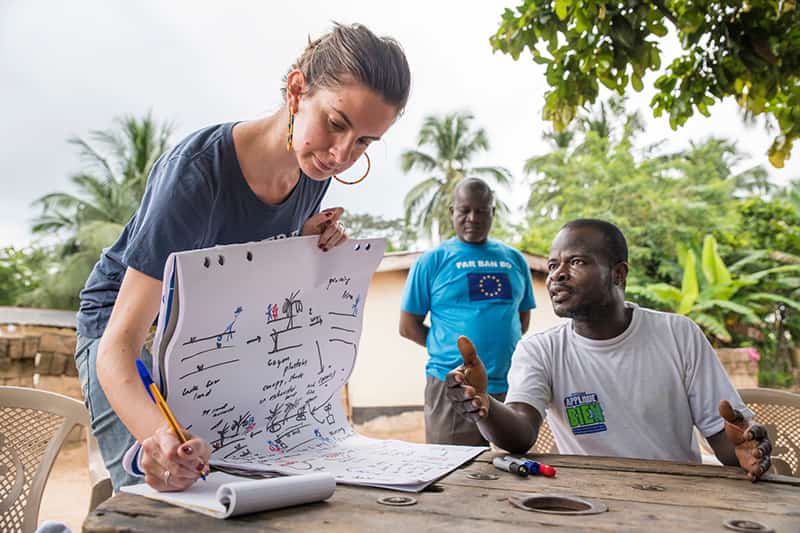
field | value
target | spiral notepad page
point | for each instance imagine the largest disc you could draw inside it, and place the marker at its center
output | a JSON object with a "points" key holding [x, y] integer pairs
{"points": [[254, 344], [224, 495]]}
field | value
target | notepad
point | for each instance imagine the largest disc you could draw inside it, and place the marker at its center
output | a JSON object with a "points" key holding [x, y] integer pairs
{"points": [[225, 495], [254, 345]]}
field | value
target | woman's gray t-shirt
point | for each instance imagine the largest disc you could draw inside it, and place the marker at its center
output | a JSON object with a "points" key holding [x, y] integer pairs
{"points": [[196, 197]]}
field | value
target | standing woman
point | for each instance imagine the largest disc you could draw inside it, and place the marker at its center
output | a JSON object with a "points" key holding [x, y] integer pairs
{"points": [[225, 184]]}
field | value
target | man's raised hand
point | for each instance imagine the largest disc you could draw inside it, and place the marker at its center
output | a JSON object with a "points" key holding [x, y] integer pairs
{"points": [[467, 385], [750, 441]]}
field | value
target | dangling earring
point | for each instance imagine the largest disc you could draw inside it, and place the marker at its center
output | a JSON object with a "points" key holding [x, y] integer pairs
{"points": [[359, 180], [290, 131]]}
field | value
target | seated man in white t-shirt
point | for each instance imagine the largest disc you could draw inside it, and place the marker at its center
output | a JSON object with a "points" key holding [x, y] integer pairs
{"points": [[616, 380]]}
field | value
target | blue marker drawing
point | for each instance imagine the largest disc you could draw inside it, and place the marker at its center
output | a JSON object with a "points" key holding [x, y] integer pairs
{"points": [[321, 437], [228, 333]]}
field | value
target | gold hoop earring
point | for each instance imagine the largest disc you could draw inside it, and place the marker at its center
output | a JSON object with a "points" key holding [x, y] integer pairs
{"points": [[359, 180], [290, 127]]}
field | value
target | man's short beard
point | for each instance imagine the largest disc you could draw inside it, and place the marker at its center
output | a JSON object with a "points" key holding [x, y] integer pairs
{"points": [[589, 312], [584, 312], [594, 311]]}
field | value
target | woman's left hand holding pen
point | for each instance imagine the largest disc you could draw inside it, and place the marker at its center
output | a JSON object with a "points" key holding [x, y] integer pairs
{"points": [[171, 466]]}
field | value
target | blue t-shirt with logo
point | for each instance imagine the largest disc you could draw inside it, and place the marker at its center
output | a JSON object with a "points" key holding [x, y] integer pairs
{"points": [[477, 290], [196, 197]]}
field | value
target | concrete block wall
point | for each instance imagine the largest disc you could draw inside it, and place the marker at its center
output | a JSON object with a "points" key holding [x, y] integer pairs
{"points": [[38, 353], [741, 364]]}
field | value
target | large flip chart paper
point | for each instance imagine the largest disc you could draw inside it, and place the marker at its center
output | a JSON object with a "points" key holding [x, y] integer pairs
{"points": [[254, 344]]}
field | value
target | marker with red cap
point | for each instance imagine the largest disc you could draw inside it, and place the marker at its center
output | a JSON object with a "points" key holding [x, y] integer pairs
{"points": [[535, 468]]}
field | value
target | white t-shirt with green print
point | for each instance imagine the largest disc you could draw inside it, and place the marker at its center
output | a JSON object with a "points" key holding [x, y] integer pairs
{"points": [[637, 395]]}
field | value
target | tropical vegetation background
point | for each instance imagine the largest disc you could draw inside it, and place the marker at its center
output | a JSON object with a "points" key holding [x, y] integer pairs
{"points": [[710, 236]]}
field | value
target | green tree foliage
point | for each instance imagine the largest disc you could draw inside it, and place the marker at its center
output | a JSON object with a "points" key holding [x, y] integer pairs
{"points": [[792, 194], [741, 305], [106, 194], [63, 272], [109, 188], [769, 235], [452, 143], [722, 301], [748, 50], [657, 200], [20, 273], [668, 202], [770, 224], [365, 226]]}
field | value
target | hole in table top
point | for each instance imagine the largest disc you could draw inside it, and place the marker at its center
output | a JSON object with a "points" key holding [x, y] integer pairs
{"points": [[399, 501], [558, 504], [747, 525]]}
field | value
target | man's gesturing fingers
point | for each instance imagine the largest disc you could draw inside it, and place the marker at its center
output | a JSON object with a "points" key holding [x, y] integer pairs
{"points": [[735, 424], [466, 401], [752, 446], [467, 384], [473, 370], [468, 353]]}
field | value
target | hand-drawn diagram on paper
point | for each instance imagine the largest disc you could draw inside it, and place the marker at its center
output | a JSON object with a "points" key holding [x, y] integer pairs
{"points": [[256, 342]]}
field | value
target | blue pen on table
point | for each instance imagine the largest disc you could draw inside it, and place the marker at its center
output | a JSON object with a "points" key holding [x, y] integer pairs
{"points": [[508, 464], [161, 403]]}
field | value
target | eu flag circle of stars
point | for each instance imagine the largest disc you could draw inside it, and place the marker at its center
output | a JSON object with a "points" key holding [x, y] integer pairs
{"points": [[498, 285]]}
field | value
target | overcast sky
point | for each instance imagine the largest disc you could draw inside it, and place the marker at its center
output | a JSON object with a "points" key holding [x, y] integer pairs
{"points": [[70, 67]]}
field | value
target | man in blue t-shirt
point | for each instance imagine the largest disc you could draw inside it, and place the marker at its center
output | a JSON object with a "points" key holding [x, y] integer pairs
{"points": [[471, 286]]}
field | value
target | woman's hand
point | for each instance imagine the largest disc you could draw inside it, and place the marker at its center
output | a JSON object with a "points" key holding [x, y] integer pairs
{"points": [[326, 224], [169, 465]]}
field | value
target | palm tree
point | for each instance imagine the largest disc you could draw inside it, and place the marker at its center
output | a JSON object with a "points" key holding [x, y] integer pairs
{"points": [[453, 143], [110, 188], [107, 193]]}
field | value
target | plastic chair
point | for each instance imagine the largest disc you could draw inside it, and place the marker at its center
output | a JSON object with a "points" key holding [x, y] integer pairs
{"points": [[545, 442], [33, 426], [779, 411]]}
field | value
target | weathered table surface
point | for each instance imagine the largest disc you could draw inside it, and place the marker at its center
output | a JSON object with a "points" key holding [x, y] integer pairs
{"points": [[640, 495]]}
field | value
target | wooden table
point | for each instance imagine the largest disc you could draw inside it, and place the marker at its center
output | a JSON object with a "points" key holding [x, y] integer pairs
{"points": [[640, 495]]}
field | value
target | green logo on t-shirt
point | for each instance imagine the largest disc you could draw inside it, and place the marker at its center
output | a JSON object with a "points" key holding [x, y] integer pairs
{"points": [[584, 412]]}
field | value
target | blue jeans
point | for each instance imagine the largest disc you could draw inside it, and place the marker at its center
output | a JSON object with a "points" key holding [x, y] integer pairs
{"points": [[113, 438]]}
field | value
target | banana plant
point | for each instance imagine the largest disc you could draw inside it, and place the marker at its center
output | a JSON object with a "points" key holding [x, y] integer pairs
{"points": [[722, 297]]}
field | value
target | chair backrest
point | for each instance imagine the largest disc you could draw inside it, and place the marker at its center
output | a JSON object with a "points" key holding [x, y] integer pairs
{"points": [[779, 411], [545, 442], [33, 426]]}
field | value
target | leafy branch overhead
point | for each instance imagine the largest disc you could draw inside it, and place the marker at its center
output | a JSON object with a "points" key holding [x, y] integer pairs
{"points": [[746, 49]]}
